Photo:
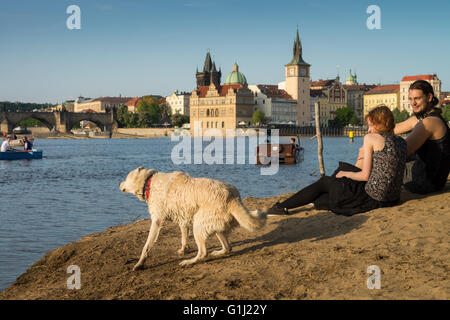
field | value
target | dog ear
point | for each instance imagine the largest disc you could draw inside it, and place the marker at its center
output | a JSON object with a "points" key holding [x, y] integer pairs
{"points": [[140, 168]]}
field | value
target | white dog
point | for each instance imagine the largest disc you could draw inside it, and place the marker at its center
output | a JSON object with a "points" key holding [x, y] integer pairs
{"points": [[211, 206]]}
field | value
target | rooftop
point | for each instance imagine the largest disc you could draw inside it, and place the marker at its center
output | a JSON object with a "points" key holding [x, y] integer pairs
{"points": [[420, 77], [388, 88], [272, 91], [223, 89]]}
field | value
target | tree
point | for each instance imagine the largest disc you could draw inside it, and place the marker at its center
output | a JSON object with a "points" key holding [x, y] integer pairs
{"points": [[258, 117], [354, 121], [179, 119], [149, 105], [122, 115], [343, 116], [400, 116], [446, 112]]}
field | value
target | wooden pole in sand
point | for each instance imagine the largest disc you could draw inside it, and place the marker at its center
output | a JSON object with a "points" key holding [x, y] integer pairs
{"points": [[319, 139]]}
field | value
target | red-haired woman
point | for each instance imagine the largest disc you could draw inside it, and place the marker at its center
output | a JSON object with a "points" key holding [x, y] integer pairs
{"points": [[375, 184]]}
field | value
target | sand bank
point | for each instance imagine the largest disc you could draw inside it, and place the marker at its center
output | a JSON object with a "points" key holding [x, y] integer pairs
{"points": [[308, 255]]}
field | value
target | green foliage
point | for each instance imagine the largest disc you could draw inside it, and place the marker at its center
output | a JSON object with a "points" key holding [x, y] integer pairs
{"points": [[30, 122], [22, 106], [446, 112], [400, 116], [258, 117], [343, 116], [149, 111], [354, 121], [179, 119]]}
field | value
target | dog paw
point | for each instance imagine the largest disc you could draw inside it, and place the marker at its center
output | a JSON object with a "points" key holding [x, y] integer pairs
{"points": [[218, 252], [138, 267], [181, 251], [185, 263]]}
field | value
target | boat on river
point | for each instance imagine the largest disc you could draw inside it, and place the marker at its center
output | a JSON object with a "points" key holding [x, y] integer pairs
{"points": [[21, 155], [19, 142], [286, 152]]}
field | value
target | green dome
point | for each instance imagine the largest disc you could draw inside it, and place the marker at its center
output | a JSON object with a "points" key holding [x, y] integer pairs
{"points": [[235, 76]]}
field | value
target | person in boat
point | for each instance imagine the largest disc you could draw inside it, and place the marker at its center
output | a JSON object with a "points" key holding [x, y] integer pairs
{"points": [[6, 145], [295, 146], [352, 190], [27, 145], [428, 165]]}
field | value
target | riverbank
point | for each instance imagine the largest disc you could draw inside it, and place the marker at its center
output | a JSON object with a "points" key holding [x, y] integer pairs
{"points": [[124, 133], [311, 254]]}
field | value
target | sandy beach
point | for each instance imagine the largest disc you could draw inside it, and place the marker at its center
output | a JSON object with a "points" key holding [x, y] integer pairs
{"points": [[310, 254]]}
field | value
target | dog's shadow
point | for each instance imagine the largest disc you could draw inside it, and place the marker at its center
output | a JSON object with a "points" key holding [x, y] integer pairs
{"points": [[320, 226]]}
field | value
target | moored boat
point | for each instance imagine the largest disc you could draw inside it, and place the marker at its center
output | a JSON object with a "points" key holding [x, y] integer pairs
{"points": [[19, 155], [287, 152]]}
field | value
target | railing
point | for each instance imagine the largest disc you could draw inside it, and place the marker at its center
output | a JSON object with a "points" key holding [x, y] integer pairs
{"points": [[311, 131]]}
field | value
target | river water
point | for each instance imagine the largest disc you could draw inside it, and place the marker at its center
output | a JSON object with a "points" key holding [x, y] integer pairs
{"points": [[73, 191]]}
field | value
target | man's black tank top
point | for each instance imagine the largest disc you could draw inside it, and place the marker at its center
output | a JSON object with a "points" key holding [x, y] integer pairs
{"points": [[436, 156]]}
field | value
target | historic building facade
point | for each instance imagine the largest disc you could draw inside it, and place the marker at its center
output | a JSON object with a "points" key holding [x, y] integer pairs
{"points": [[385, 94], [179, 102], [332, 95], [277, 105], [220, 107], [101, 104]]}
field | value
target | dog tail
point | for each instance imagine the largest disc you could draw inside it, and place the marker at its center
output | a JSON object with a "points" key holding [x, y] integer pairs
{"points": [[250, 220]]}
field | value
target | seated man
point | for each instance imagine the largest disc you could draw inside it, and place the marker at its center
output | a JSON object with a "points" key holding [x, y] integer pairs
{"points": [[428, 142], [27, 145], [6, 146]]}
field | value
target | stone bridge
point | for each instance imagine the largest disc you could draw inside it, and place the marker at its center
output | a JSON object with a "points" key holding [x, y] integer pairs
{"points": [[61, 121]]}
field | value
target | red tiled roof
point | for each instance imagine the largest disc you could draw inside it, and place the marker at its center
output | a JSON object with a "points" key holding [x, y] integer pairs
{"points": [[272, 91], [223, 90], [445, 98], [365, 87], [388, 88], [321, 83], [419, 77], [132, 102]]}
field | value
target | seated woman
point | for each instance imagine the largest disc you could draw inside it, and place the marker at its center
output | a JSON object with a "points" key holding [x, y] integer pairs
{"points": [[375, 184]]}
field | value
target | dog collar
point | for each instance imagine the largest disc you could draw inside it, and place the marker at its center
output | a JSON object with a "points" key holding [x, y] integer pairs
{"points": [[146, 190]]}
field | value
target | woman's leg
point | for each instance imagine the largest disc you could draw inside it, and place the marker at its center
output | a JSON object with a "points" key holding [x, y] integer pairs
{"points": [[308, 194]]}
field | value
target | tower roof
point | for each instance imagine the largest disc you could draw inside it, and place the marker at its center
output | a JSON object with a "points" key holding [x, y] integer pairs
{"points": [[208, 63], [235, 76], [297, 58]]}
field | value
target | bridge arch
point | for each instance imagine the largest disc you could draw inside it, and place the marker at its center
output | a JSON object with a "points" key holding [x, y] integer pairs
{"points": [[49, 124]]}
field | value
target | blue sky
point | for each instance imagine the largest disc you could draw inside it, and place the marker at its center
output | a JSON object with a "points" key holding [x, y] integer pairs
{"points": [[139, 47]]}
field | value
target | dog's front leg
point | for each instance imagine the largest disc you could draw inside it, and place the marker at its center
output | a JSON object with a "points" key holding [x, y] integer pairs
{"points": [[184, 236], [152, 236]]}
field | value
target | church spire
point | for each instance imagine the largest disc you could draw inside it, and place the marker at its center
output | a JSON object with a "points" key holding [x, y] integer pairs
{"points": [[297, 58], [208, 63]]}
